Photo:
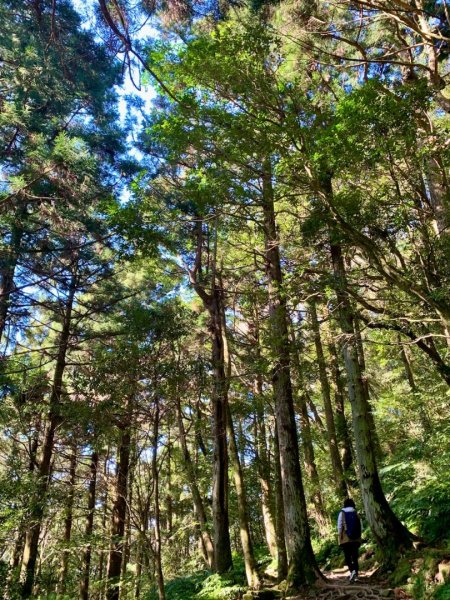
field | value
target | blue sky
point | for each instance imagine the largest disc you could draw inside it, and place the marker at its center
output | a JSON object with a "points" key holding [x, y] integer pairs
{"points": [[146, 93]]}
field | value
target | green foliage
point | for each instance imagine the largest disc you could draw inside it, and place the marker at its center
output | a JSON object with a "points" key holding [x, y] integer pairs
{"points": [[416, 573], [442, 592], [204, 586]]}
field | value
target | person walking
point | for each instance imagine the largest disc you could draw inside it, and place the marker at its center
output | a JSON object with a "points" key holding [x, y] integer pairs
{"points": [[349, 532]]}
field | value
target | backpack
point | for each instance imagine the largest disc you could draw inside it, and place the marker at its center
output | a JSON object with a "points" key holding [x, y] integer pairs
{"points": [[352, 525]]}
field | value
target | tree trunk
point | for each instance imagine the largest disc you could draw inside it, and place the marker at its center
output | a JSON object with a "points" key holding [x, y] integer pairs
{"points": [[307, 444], [282, 562], [142, 545], [244, 527], [68, 521], [302, 564], [127, 535], [155, 477], [8, 263], [119, 509], [261, 453], [105, 497], [54, 419], [87, 554], [389, 533], [365, 382], [169, 498], [338, 472], [222, 544], [262, 464], [219, 398], [18, 549], [342, 432], [199, 508]]}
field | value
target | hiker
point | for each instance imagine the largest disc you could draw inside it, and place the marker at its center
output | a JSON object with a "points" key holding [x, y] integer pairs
{"points": [[349, 532]]}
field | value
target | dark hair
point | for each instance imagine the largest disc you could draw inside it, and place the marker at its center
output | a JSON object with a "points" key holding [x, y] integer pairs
{"points": [[348, 502]]}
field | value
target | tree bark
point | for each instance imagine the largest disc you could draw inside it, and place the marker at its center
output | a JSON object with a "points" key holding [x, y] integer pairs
{"points": [[105, 497], [302, 564], [365, 382], [127, 534], [336, 464], [261, 451], [222, 545], [8, 263], [89, 528], [54, 419], [388, 531], [282, 557], [18, 549], [119, 509], [68, 521], [155, 477], [213, 302], [342, 432], [244, 527], [307, 443], [267, 496], [199, 508]]}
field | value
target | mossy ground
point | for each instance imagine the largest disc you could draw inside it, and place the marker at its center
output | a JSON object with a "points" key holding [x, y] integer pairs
{"points": [[418, 574]]}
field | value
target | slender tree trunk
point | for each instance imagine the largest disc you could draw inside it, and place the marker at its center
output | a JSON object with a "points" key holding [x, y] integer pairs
{"points": [[8, 263], [262, 464], [89, 528], [244, 527], [302, 564], [119, 509], [142, 553], [155, 477], [307, 443], [169, 497], [338, 472], [127, 535], [342, 432], [282, 563], [68, 521], [101, 566], [365, 382], [317, 419], [389, 533], [137, 581], [222, 545], [54, 419], [196, 496], [213, 302], [18, 549], [261, 452]]}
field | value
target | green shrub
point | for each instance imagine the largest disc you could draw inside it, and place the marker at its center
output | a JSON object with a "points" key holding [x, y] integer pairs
{"points": [[220, 587], [442, 592]]}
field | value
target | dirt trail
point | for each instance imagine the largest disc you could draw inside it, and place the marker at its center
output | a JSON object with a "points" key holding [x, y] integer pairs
{"points": [[368, 587]]}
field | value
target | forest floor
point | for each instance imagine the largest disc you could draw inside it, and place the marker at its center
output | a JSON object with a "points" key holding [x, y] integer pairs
{"points": [[368, 586]]}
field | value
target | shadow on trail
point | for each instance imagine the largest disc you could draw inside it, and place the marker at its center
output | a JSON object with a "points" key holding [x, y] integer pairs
{"points": [[337, 586]]}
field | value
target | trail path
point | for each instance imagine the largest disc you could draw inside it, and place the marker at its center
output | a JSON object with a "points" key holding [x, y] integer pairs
{"points": [[367, 587]]}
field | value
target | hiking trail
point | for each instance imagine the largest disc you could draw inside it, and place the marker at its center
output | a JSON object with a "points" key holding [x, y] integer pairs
{"points": [[337, 586]]}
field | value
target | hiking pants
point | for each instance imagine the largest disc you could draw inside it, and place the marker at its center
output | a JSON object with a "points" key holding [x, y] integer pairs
{"points": [[351, 555]]}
